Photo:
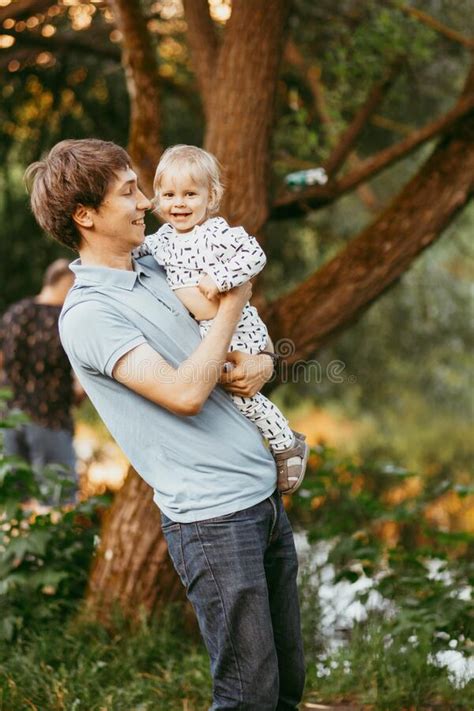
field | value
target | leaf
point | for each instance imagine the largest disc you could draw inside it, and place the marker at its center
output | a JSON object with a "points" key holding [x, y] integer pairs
{"points": [[350, 575], [34, 543], [8, 625], [462, 490]]}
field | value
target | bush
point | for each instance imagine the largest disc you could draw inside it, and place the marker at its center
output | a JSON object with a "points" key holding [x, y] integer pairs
{"points": [[372, 522], [44, 557]]}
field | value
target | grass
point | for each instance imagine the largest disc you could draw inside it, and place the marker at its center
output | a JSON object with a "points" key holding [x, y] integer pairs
{"points": [[81, 666], [380, 671]]}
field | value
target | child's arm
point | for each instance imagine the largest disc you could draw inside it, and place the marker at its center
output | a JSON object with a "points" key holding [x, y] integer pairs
{"points": [[246, 261]]}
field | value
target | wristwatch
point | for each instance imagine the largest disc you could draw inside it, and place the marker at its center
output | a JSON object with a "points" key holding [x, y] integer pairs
{"points": [[274, 356]]}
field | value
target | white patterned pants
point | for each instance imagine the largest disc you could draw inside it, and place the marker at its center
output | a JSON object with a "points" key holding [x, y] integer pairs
{"points": [[251, 336]]}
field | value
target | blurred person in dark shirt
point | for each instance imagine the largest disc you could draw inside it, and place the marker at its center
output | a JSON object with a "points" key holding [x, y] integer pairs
{"points": [[37, 371]]}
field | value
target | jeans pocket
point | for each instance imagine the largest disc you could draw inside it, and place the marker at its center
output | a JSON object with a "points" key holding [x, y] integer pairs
{"points": [[167, 524], [173, 536]]}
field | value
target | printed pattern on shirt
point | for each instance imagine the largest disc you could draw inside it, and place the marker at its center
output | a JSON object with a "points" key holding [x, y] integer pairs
{"points": [[36, 367], [251, 336], [228, 254]]}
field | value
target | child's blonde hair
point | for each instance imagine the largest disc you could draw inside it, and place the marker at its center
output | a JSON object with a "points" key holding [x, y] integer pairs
{"points": [[200, 165]]}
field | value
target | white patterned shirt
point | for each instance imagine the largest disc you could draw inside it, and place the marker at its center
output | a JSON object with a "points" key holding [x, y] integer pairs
{"points": [[227, 254]]}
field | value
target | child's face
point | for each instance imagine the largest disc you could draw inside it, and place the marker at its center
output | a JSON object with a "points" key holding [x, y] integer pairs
{"points": [[182, 201]]}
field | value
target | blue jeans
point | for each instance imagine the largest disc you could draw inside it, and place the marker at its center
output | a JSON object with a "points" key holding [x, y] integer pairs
{"points": [[240, 576], [41, 446]]}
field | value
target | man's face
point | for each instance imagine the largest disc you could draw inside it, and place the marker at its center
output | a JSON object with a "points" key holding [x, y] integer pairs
{"points": [[121, 216], [183, 202]]}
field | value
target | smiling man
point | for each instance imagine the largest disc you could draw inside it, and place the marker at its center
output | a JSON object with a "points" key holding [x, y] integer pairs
{"points": [[139, 356]]}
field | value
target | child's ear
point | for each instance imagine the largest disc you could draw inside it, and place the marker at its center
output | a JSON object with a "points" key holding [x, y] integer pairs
{"points": [[83, 216], [213, 202]]}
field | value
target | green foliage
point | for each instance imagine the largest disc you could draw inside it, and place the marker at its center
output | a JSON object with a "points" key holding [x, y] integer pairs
{"points": [[424, 574], [44, 557], [385, 661], [387, 671], [350, 505], [80, 666], [353, 44]]}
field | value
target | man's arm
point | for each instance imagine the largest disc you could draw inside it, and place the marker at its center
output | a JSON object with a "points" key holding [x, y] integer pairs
{"points": [[185, 389]]}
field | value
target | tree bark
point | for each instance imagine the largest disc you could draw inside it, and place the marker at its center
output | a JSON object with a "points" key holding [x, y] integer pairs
{"points": [[203, 44], [241, 106], [132, 570]]}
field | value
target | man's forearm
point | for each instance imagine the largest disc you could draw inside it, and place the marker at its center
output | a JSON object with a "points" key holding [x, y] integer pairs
{"points": [[185, 389], [202, 370]]}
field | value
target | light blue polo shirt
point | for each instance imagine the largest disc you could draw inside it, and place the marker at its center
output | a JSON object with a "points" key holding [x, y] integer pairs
{"points": [[199, 467]]}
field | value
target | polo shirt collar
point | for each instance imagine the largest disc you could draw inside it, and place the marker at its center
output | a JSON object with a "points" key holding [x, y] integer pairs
{"points": [[106, 276]]}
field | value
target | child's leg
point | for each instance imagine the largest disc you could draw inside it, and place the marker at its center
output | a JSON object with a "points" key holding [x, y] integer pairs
{"points": [[269, 420], [288, 448]]}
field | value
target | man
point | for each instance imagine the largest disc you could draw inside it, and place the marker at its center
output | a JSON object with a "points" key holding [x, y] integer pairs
{"points": [[139, 356], [39, 374]]}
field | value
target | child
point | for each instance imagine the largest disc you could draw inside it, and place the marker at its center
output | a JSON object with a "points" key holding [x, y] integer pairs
{"points": [[203, 257]]}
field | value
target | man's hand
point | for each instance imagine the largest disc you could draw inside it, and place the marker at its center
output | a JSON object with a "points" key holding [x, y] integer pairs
{"points": [[208, 287], [249, 374]]}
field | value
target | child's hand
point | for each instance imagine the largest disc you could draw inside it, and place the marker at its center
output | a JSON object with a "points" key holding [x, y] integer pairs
{"points": [[208, 287]]}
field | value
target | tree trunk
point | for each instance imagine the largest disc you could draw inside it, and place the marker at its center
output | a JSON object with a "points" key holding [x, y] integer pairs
{"points": [[240, 109], [132, 570]]}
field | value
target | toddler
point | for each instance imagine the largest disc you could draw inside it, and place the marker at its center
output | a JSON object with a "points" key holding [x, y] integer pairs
{"points": [[203, 257]]}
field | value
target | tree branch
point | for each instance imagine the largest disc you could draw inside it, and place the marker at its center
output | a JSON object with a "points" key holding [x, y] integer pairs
{"points": [[241, 106], [203, 44], [337, 294], [353, 131], [65, 41], [312, 74], [436, 25], [293, 204], [22, 9]]}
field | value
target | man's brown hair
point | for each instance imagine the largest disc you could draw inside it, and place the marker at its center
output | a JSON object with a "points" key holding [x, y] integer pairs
{"points": [[75, 172]]}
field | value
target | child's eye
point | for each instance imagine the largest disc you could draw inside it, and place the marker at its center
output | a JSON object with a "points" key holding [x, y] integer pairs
{"points": [[191, 194]]}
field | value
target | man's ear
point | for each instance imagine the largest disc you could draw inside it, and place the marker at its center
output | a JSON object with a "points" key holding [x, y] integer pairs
{"points": [[83, 216]]}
